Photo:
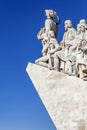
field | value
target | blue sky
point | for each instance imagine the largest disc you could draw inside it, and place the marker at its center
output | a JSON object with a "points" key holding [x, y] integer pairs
{"points": [[20, 21]]}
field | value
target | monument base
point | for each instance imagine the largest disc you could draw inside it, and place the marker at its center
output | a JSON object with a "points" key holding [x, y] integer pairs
{"points": [[65, 97]]}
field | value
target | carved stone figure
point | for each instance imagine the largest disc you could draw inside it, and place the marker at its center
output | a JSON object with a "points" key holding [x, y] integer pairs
{"points": [[81, 54], [50, 24], [64, 55], [48, 36], [69, 37], [50, 47], [70, 56]]}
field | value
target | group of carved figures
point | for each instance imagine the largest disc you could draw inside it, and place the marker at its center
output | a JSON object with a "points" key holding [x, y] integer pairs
{"points": [[68, 56]]}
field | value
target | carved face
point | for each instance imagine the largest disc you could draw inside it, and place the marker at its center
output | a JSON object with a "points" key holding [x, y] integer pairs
{"points": [[82, 28], [68, 24], [51, 14]]}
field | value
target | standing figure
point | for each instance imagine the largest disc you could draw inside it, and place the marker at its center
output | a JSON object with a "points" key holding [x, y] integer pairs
{"points": [[48, 36], [62, 58], [81, 54], [69, 36], [50, 24]]}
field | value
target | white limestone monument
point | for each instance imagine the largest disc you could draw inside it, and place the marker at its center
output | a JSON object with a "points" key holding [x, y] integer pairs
{"points": [[60, 75]]}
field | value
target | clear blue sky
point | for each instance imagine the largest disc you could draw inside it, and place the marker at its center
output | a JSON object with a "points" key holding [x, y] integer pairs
{"points": [[20, 21]]}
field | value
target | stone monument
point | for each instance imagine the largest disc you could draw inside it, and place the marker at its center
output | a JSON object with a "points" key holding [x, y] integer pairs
{"points": [[60, 75]]}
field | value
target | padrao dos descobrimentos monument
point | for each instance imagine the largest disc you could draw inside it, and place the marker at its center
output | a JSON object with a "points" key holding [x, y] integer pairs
{"points": [[62, 73]]}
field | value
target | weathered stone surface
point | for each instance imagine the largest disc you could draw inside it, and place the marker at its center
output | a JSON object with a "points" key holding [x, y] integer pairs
{"points": [[65, 97]]}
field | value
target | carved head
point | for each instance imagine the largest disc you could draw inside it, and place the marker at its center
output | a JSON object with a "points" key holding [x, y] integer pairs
{"points": [[68, 24], [51, 14], [83, 24], [82, 21]]}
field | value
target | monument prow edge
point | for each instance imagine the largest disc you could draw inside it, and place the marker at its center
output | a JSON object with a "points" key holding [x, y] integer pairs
{"points": [[63, 96]]}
